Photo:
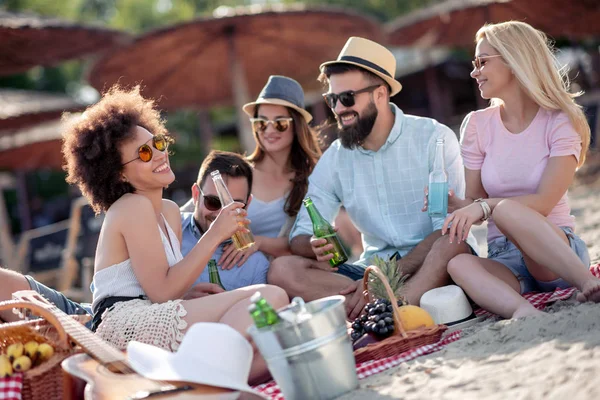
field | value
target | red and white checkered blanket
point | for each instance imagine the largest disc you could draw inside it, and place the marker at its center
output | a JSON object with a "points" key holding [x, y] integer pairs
{"points": [[10, 388], [539, 300]]}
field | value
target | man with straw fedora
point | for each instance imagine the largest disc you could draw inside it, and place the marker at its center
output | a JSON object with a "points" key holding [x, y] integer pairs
{"points": [[377, 170]]}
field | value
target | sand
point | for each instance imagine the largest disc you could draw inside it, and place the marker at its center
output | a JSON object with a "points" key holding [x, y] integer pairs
{"points": [[552, 356]]}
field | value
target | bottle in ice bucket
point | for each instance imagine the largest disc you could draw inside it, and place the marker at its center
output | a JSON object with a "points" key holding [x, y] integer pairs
{"points": [[437, 199], [268, 312], [213, 274], [323, 230], [241, 240], [257, 316]]}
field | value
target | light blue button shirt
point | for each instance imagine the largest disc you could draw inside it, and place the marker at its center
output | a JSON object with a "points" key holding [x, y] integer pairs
{"points": [[254, 270], [382, 190]]}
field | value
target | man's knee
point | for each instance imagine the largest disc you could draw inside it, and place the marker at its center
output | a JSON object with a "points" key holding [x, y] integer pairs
{"points": [[445, 250], [284, 271]]}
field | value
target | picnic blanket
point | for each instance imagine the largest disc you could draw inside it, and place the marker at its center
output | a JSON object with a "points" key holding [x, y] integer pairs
{"points": [[368, 368], [10, 388]]}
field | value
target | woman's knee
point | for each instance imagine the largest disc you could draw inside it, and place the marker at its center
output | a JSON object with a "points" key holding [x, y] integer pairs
{"points": [[459, 265], [505, 210], [275, 295]]}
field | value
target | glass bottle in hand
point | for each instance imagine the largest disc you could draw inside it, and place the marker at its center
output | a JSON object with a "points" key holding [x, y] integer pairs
{"points": [[241, 240], [437, 198], [323, 230]]}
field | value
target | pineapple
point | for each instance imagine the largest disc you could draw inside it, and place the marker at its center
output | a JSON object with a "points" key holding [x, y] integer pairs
{"points": [[394, 275]]}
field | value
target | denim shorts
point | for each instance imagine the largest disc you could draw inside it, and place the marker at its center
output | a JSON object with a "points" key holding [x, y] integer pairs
{"points": [[61, 301], [506, 253], [352, 271]]}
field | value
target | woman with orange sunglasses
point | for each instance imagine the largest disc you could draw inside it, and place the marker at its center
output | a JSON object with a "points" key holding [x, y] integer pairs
{"points": [[117, 155]]}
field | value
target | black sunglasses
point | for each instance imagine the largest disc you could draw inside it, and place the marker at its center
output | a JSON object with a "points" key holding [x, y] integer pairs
{"points": [[159, 142], [213, 203], [260, 124], [347, 97]]}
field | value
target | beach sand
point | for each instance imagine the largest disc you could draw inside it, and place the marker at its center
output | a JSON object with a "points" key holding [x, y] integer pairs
{"points": [[552, 356]]}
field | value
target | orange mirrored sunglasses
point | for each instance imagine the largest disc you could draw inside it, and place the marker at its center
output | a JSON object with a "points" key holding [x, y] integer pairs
{"points": [[159, 142]]}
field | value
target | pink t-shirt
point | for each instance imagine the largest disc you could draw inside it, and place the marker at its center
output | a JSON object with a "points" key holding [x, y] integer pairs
{"points": [[512, 164]]}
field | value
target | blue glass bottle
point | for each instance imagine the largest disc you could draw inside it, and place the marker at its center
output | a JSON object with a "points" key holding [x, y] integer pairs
{"points": [[437, 198]]}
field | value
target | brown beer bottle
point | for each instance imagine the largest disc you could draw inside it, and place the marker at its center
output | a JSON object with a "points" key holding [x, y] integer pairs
{"points": [[241, 240]]}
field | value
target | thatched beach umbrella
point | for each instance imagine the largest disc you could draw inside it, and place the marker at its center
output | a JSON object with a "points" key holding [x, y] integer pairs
{"points": [[27, 41], [227, 59], [455, 22]]}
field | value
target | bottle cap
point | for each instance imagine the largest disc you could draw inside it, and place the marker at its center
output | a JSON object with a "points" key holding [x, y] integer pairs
{"points": [[255, 297], [252, 307]]}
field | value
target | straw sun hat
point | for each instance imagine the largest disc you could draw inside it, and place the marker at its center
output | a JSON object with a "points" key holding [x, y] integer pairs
{"points": [[371, 56], [280, 91]]}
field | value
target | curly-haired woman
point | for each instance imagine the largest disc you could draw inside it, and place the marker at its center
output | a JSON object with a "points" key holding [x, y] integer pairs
{"points": [[117, 155]]}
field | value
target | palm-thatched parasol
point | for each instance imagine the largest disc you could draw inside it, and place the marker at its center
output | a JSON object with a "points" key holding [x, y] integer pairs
{"points": [[455, 22], [27, 41], [226, 59]]}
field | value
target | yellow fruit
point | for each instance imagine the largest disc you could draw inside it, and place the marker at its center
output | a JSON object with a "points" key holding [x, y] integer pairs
{"points": [[414, 317], [5, 366], [30, 349], [45, 351], [14, 351], [22, 364]]}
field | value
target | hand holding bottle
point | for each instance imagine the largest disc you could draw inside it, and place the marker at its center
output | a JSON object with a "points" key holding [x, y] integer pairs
{"points": [[322, 249], [454, 202], [230, 220]]}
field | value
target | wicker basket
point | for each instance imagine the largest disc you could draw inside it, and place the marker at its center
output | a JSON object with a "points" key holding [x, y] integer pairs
{"points": [[45, 381], [400, 341]]}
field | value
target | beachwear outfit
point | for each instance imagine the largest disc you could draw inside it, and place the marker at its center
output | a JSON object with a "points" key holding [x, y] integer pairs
{"points": [[382, 190], [512, 165]]}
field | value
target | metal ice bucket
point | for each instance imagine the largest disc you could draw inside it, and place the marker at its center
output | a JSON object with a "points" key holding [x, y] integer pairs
{"points": [[312, 359]]}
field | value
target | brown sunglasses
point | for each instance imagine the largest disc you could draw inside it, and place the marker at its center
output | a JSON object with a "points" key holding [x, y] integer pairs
{"points": [[477, 61], [159, 142], [212, 202], [261, 124]]}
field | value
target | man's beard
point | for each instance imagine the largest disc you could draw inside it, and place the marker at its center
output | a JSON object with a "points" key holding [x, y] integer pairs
{"points": [[354, 135]]}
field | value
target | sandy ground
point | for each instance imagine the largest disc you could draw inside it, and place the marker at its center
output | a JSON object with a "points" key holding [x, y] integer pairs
{"points": [[551, 356]]}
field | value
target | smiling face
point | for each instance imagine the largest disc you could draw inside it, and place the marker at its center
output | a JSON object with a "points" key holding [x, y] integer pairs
{"points": [[356, 122], [271, 139], [150, 175], [238, 187], [494, 77]]}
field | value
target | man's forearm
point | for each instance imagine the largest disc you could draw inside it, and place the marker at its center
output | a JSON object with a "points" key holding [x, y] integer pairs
{"points": [[412, 261], [300, 246]]}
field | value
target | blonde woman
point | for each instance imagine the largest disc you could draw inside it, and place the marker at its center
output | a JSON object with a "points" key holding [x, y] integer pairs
{"points": [[285, 154], [520, 156]]}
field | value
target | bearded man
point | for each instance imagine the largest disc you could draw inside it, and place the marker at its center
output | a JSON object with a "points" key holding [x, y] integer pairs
{"points": [[377, 170]]}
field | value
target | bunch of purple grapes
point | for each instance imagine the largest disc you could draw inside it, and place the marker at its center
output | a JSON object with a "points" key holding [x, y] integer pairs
{"points": [[377, 319]]}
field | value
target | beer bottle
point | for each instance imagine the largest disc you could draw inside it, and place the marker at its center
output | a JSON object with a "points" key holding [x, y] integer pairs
{"points": [[241, 240], [257, 316], [323, 230], [213, 273], [265, 308], [437, 198]]}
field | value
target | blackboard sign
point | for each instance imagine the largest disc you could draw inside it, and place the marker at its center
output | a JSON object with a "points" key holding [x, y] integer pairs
{"points": [[45, 252]]}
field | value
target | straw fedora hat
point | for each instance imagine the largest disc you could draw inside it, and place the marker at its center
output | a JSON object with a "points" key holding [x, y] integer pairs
{"points": [[210, 354], [447, 305], [280, 91], [371, 56]]}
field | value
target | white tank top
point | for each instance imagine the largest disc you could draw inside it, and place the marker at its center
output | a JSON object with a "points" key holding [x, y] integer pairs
{"points": [[119, 279]]}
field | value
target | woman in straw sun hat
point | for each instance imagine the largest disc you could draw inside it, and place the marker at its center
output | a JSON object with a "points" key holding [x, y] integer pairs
{"points": [[520, 156], [117, 155], [285, 154]]}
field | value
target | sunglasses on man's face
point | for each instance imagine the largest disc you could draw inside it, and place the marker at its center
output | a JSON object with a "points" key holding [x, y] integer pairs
{"points": [[213, 203], [347, 97], [479, 61], [261, 124], [159, 142]]}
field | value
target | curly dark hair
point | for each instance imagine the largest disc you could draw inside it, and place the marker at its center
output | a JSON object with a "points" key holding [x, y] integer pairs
{"points": [[91, 144]]}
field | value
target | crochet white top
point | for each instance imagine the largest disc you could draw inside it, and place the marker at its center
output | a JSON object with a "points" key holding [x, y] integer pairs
{"points": [[120, 280]]}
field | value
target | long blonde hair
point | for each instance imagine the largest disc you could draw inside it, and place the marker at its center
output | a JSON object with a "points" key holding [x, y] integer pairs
{"points": [[529, 54]]}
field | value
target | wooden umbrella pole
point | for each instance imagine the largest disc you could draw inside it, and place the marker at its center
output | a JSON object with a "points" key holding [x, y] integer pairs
{"points": [[239, 87]]}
